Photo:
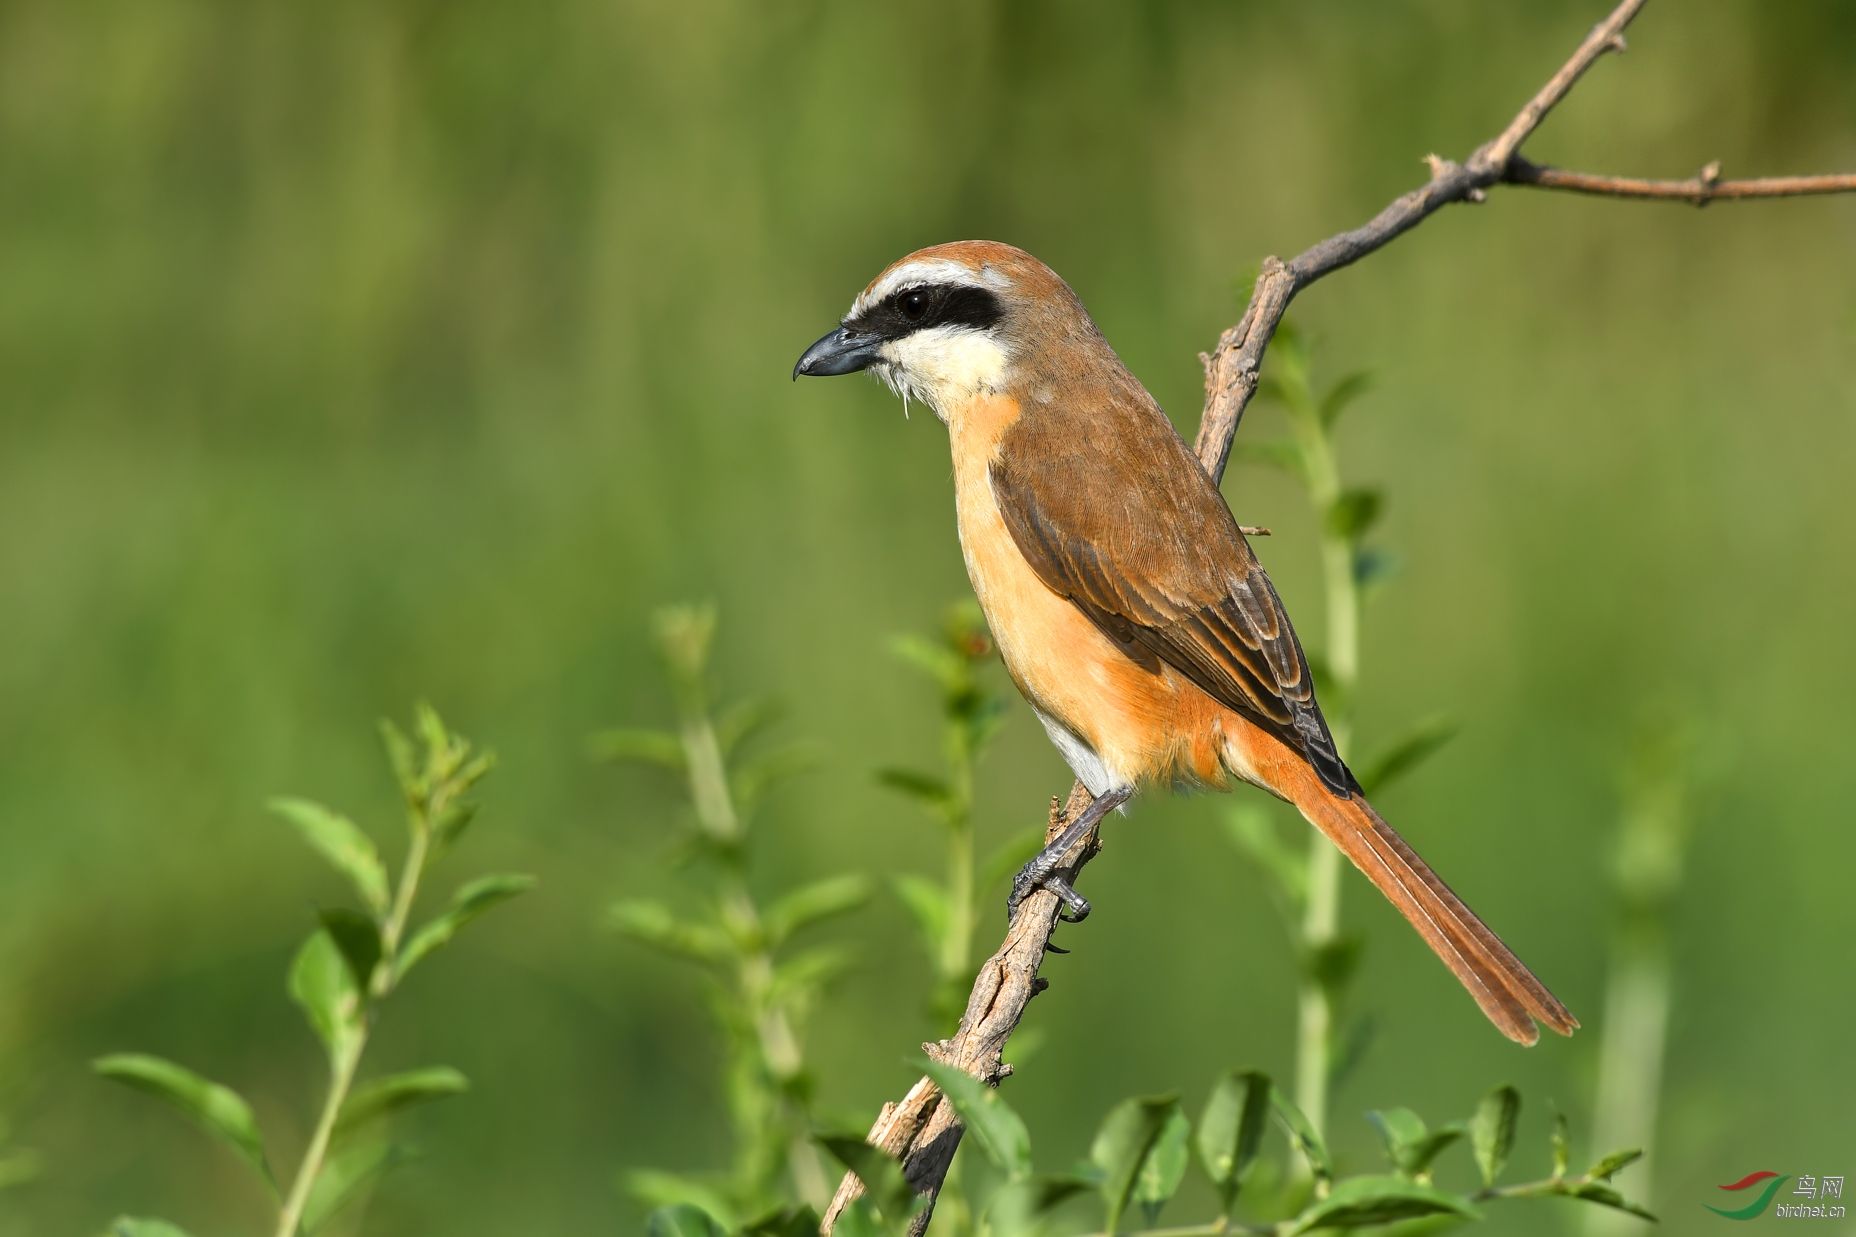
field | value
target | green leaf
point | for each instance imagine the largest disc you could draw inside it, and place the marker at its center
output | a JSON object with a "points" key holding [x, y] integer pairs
{"points": [[1354, 513], [1303, 1135], [1165, 1166], [359, 940], [657, 747], [1000, 1131], [1013, 854], [683, 1220], [927, 902], [1289, 348], [940, 663], [657, 1189], [1562, 1146], [652, 924], [1608, 1167], [340, 841], [1250, 828], [1358, 1038], [451, 822], [793, 1221], [1398, 1128], [1417, 1159], [1020, 1207], [397, 1091], [752, 779], [400, 755], [809, 904], [1372, 565], [964, 628], [1409, 1144], [1342, 394], [345, 1176], [439, 757], [683, 635], [322, 983], [983, 714], [221, 1110], [807, 973], [1122, 1145], [1427, 738], [1491, 1132], [1606, 1196], [887, 1189], [1333, 962], [1361, 1202], [931, 792], [467, 903], [136, 1226], [1231, 1129], [744, 719], [859, 1220]]}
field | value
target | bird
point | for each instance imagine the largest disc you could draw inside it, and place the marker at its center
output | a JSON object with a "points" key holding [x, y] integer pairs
{"points": [[1124, 600]]}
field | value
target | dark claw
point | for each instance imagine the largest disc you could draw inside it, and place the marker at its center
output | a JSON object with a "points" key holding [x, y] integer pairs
{"points": [[1075, 905], [1052, 949], [1040, 873]]}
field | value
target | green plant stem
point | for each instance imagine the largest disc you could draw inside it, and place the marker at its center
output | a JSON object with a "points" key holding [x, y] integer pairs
{"points": [[1546, 1187], [1314, 1003], [774, 1035], [1321, 913], [1216, 1228], [393, 929], [957, 948], [1647, 875], [341, 1078], [957, 945], [715, 806]]}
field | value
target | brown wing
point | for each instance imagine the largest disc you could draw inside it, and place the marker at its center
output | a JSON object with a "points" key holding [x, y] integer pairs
{"points": [[1114, 512]]}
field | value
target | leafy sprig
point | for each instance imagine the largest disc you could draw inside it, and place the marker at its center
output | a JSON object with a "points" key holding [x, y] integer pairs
{"points": [[763, 988], [945, 912], [341, 976], [1144, 1146]]}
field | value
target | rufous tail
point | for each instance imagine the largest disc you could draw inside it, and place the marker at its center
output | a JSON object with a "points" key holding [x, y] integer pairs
{"points": [[1505, 989]]}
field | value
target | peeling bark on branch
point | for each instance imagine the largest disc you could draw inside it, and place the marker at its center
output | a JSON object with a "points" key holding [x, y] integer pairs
{"points": [[923, 1132]]}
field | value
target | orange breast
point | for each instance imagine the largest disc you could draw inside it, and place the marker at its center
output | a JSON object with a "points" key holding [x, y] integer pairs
{"points": [[1145, 725]]}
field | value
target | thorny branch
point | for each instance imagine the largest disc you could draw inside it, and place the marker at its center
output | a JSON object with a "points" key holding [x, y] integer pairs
{"points": [[922, 1131]]}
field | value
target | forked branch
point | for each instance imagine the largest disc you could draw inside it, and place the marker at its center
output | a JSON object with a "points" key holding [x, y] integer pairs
{"points": [[921, 1130], [1231, 369]]}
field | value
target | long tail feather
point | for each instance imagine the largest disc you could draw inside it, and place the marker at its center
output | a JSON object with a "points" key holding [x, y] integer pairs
{"points": [[1505, 989]]}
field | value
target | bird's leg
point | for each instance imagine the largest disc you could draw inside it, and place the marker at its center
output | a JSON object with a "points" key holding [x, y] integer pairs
{"points": [[1040, 873]]}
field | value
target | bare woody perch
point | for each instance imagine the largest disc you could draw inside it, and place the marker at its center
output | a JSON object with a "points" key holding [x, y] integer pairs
{"points": [[921, 1130]]}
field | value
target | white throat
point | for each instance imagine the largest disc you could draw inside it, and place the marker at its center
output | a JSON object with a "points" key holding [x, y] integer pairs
{"points": [[944, 366]]}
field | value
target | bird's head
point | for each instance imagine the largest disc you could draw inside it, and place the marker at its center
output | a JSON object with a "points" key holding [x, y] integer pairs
{"points": [[945, 324]]}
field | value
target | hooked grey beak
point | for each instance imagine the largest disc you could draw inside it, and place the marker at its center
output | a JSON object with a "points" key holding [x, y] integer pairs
{"points": [[844, 351]]}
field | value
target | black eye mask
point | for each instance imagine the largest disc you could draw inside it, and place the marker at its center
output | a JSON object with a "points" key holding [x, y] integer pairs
{"points": [[925, 306]]}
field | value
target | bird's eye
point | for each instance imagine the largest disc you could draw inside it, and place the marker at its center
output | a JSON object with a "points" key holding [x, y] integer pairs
{"points": [[913, 305]]}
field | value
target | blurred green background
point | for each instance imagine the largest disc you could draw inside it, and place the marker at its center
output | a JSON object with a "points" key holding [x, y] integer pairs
{"points": [[356, 352]]}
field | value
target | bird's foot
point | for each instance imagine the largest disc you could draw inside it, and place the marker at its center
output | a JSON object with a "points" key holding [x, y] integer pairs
{"points": [[1041, 872]]}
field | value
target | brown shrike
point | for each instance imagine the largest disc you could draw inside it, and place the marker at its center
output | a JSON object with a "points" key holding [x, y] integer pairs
{"points": [[1125, 602]]}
